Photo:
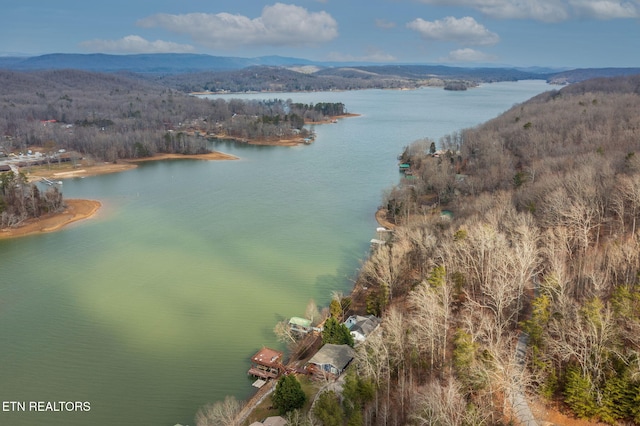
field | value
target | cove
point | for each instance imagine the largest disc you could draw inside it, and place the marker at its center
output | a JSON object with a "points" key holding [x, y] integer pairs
{"points": [[153, 308]]}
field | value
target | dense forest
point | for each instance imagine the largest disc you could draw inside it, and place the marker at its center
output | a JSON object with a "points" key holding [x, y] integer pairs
{"points": [[106, 118], [20, 200], [196, 72], [523, 229], [113, 117], [313, 78]]}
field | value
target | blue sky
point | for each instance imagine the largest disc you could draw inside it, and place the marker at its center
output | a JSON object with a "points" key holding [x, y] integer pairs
{"points": [[557, 33]]}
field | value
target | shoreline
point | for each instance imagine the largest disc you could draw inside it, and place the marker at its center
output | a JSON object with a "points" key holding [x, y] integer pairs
{"points": [[80, 209], [381, 218], [88, 170], [284, 142], [83, 209], [75, 210]]}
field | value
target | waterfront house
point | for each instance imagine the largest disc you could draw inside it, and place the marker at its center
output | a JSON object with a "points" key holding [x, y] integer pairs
{"points": [[267, 364], [331, 360], [361, 327], [271, 421], [300, 325]]}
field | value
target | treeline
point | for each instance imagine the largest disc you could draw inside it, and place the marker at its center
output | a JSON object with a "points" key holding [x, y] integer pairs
{"points": [[280, 79], [540, 244], [20, 200], [110, 117], [313, 78], [319, 111]]}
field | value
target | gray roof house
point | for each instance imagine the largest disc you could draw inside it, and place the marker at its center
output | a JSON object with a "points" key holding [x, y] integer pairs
{"points": [[271, 421], [361, 327], [331, 359]]}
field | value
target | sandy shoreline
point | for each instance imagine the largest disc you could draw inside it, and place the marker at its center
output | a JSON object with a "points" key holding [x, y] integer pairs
{"points": [[285, 142], [76, 210], [83, 209]]}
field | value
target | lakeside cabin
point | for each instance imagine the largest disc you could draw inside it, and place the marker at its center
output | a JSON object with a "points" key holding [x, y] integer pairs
{"points": [[267, 364], [331, 360], [271, 421], [303, 326], [361, 327], [300, 325]]}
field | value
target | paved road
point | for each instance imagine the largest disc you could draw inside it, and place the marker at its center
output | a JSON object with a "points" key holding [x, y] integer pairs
{"points": [[519, 403]]}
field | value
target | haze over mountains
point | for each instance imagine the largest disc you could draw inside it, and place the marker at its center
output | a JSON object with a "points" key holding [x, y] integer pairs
{"points": [[172, 64], [143, 63]]}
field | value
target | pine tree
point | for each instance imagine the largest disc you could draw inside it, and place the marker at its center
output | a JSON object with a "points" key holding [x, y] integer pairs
{"points": [[578, 395], [288, 394], [336, 333], [328, 409]]}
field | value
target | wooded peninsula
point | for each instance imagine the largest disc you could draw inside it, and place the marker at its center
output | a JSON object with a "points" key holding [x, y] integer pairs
{"points": [[83, 118]]}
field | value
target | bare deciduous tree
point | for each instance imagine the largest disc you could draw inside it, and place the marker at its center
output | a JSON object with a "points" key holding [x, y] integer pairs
{"points": [[221, 413], [445, 405], [386, 267]]}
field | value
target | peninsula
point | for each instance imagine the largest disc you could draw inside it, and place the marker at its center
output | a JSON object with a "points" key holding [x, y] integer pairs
{"points": [[76, 209]]}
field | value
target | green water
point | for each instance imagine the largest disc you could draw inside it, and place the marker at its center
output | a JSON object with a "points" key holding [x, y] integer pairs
{"points": [[153, 308]]}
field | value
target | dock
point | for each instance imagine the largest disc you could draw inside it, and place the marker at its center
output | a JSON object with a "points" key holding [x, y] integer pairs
{"points": [[50, 182]]}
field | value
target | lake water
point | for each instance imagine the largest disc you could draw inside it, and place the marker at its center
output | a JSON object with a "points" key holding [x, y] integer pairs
{"points": [[153, 308]]}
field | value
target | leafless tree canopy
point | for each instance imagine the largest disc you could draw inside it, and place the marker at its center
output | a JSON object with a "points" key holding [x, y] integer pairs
{"points": [[542, 239], [111, 117]]}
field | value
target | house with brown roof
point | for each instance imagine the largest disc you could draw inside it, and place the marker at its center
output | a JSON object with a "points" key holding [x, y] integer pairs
{"points": [[267, 364]]}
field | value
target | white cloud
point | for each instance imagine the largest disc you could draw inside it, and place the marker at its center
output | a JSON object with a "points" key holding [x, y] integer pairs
{"points": [[464, 30], [468, 55], [605, 9], [135, 44], [541, 10], [548, 10], [279, 25]]}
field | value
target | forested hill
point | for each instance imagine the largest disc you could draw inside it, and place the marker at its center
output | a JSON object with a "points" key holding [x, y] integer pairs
{"points": [[110, 117], [272, 78], [41, 81], [582, 74], [541, 236], [47, 117], [166, 63], [196, 72]]}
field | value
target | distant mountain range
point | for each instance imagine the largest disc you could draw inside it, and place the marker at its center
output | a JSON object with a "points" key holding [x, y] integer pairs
{"points": [[165, 63], [175, 64]]}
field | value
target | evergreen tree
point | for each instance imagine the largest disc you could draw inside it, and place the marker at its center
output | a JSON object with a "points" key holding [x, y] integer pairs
{"points": [[336, 333], [356, 392], [288, 394], [335, 308], [578, 394], [328, 409]]}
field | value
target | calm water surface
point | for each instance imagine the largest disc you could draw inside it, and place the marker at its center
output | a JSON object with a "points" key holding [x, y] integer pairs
{"points": [[153, 308]]}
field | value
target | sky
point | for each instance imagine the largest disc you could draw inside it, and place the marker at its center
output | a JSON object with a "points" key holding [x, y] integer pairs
{"points": [[522, 33]]}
